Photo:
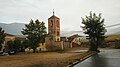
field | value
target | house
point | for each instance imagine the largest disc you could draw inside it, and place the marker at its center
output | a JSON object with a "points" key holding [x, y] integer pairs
{"points": [[8, 37], [65, 42], [77, 40]]}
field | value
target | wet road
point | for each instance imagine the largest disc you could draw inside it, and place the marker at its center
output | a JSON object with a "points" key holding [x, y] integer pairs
{"points": [[106, 58]]}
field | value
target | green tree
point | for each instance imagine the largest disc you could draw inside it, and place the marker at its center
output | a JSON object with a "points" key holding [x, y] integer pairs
{"points": [[17, 45], [35, 32], [25, 44], [14, 45], [95, 28], [10, 45], [2, 37]]}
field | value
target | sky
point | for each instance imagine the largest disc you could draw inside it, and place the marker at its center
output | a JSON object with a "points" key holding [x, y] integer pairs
{"points": [[69, 11]]}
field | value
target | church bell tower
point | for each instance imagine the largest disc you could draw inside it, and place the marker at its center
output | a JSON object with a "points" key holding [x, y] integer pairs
{"points": [[54, 27]]}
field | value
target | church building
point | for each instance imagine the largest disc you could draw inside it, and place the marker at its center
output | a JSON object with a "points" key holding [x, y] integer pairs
{"points": [[54, 27], [52, 41]]}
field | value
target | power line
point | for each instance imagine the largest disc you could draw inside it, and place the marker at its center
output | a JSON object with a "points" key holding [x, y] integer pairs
{"points": [[113, 25]]}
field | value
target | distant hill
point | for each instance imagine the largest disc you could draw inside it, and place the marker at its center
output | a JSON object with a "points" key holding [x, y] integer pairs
{"points": [[13, 28], [69, 33], [112, 37], [110, 31], [113, 31]]}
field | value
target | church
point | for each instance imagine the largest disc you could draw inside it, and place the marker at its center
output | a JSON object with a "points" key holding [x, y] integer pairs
{"points": [[54, 27], [53, 41]]}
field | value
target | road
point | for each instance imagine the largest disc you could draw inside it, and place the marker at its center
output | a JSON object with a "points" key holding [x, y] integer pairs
{"points": [[106, 58]]}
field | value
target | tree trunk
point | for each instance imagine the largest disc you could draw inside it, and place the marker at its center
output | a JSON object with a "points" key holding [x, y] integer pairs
{"points": [[34, 50], [94, 47]]}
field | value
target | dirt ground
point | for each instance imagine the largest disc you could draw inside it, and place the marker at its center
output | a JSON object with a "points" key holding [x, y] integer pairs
{"points": [[48, 59]]}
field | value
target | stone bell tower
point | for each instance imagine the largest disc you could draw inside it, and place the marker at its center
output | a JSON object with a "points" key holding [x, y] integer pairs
{"points": [[54, 27]]}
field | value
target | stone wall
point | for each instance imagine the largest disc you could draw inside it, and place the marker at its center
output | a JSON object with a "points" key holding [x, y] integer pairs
{"points": [[51, 44], [66, 44]]}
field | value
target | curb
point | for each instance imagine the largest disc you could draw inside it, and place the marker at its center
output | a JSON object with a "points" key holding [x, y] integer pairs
{"points": [[79, 60]]}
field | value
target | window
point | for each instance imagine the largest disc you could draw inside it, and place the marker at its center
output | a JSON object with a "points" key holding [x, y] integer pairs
{"points": [[51, 23], [58, 34], [57, 39], [51, 20]]}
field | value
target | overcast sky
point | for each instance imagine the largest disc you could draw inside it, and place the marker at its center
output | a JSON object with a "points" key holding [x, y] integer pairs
{"points": [[69, 11]]}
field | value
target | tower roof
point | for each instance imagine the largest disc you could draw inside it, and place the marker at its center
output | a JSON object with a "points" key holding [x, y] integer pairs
{"points": [[53, 16]]}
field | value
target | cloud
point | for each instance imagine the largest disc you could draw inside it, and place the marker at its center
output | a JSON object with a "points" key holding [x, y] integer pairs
{"points": [[69, 11]]}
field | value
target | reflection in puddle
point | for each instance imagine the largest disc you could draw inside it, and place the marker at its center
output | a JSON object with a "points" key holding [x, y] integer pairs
{"points": [[106, 58], [98, 61]]}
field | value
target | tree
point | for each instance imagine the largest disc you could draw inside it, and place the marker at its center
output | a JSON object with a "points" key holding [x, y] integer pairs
{"points": [[25, 44], [17, 45], [95, 28], [14, 45], [10, 45], [35, 32], [2, 37]]}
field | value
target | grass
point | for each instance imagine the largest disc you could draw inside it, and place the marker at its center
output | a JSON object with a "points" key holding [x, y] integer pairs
{"points": [[112, 37], [47, 59]]}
